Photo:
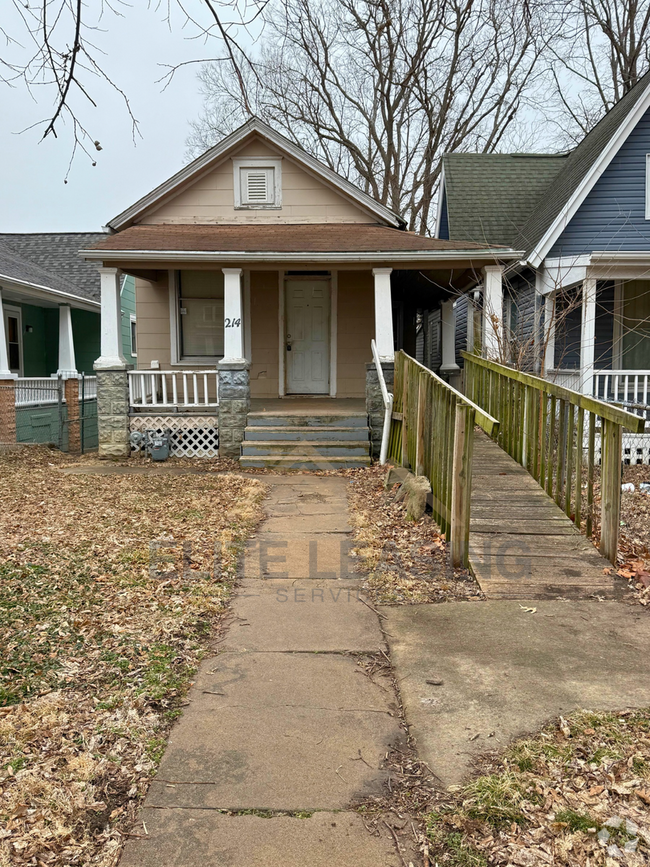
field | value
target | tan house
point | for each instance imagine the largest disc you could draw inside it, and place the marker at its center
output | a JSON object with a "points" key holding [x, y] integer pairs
{"points": [[262, 277]]}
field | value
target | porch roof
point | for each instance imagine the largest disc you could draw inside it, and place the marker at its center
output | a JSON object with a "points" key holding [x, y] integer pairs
{"points": [[268, 242]]}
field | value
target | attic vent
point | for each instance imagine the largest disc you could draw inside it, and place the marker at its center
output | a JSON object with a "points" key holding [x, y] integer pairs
{"points": [[258, 182], [257, 189]]}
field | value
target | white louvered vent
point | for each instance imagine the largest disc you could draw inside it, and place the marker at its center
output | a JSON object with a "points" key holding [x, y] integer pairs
{"points": [[257, 187]]}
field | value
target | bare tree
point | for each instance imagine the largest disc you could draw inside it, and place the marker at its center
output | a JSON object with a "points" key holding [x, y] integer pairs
{"points": [[604, 51], [52, 46], [379, 89]]}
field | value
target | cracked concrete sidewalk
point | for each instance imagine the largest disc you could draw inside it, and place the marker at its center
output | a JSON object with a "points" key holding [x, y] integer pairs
{"points": [[280, 720]]}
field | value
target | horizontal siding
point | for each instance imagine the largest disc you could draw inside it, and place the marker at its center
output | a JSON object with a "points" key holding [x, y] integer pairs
{"points": [[521, 290], [612, 217]]}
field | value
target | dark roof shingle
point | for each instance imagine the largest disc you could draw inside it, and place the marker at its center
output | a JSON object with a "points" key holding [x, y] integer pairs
{"points": [[286, 238], [55, 254], [490, 196]]}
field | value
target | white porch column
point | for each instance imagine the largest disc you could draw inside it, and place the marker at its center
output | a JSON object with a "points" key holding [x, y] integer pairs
{"points": [[67, 365], [383, 314], [5, 373], [588, 335], [493, 311], [448, 321], [111, 357], [233, 341]]}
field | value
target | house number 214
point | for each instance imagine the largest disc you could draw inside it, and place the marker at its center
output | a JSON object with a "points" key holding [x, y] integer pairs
{"points": [[232, 323]]}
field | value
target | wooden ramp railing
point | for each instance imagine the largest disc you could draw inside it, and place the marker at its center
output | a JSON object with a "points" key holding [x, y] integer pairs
{"points": [[546, 428], [432, 432]]}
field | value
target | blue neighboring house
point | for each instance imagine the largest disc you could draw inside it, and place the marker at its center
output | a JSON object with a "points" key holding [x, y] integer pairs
{"points": [[576, 306]]}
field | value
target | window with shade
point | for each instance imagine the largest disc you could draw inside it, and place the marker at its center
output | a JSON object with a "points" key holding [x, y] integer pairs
{"points": [[200, 304]]}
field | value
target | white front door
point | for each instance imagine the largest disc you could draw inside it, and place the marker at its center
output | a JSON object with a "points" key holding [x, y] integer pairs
{"points": [[308, 336]]}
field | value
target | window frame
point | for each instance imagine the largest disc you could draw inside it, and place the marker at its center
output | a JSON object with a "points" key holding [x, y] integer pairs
{"points": [[9, 310], [133, 332], [257, 163], [176, 338]]}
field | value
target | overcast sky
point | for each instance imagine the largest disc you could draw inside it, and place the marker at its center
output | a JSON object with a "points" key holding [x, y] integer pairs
{"points": [[33, 196]]}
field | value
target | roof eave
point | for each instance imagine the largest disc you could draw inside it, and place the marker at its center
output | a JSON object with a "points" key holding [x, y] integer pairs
{"points": [[505, 254], [206, 161], [38, 291]]}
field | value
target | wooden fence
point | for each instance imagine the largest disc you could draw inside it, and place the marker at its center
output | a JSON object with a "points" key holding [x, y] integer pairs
{"points": [[432, 432], [547, 429]]}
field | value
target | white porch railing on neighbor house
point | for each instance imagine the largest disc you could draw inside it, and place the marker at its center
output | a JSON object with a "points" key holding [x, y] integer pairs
{"points": [[36, 390], [566, 378], [174, 389], [89, 388], [630, 388], [387, 398]]}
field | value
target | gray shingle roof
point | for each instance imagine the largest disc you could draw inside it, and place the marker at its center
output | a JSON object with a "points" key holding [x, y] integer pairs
{"points": [[580, 160], [53, 256], [491, 196]]}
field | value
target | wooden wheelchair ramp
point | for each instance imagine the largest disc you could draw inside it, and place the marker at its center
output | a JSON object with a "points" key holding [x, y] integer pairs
{"points": [[521, 544]]}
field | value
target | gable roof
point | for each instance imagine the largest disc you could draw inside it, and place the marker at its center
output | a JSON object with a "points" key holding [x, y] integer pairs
{"points": [[584, 166], [489, 197], [55, 256], [211, 157]]}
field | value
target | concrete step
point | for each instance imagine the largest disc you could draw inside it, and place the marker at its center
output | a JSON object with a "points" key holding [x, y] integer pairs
{"points": [[293, 419], [325, 448], [305, 434], [302, 462]]}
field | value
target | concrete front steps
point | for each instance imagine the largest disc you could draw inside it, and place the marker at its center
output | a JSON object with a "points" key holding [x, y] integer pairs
{"points": [[302, 441]]}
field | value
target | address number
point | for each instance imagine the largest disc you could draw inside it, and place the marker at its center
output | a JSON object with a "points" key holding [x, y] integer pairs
{"points": [[232, 323]]}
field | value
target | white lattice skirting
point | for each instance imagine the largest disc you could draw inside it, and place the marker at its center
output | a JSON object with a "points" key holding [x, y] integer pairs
{"points": [[192, 436], [636, 449]]}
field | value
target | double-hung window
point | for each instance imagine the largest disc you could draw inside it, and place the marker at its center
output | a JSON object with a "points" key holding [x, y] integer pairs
{"points": [[200, 315]]}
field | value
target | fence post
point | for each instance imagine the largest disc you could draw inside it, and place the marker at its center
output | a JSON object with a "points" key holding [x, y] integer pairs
{"points": [[71, 387], [461, 486], [8, 410], [610, 488], [419, 445]]}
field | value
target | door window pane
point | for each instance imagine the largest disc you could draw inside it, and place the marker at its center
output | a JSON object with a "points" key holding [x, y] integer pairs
{"points": [[201, 313], [636, 325]]}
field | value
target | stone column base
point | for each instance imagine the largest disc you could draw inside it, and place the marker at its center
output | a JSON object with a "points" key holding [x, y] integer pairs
{"points": [[375, 401], [113, 413], [7, 410], [234, 406]]}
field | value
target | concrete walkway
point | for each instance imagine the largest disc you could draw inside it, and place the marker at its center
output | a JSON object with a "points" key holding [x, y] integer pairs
{"points": [[284, 732]]}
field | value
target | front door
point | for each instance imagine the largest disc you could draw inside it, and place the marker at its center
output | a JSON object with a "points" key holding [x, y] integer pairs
{"points": [[308, 336]]}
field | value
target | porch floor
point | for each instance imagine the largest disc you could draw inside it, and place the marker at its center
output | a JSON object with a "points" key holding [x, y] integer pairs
{"points": [[312, 405]]}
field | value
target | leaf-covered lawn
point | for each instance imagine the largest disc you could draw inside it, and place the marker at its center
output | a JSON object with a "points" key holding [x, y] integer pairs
{"points": [[97, 647], [405, 561], [577, 794]]}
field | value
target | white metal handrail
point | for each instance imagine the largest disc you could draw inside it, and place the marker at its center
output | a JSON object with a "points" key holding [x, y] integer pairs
{"points": [[174, 389], [630, 388], [387, 397]]}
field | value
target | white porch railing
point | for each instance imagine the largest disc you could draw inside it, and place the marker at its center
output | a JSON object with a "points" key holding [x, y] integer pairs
{"points": [[36, 390], [89, 387], [630, 388], [174, 389]]}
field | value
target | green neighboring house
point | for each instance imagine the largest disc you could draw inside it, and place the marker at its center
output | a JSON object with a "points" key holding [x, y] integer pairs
{"points": [[50, 325]]}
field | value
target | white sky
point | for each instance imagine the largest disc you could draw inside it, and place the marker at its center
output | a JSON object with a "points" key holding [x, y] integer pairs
{"points": [[33, 196]]}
